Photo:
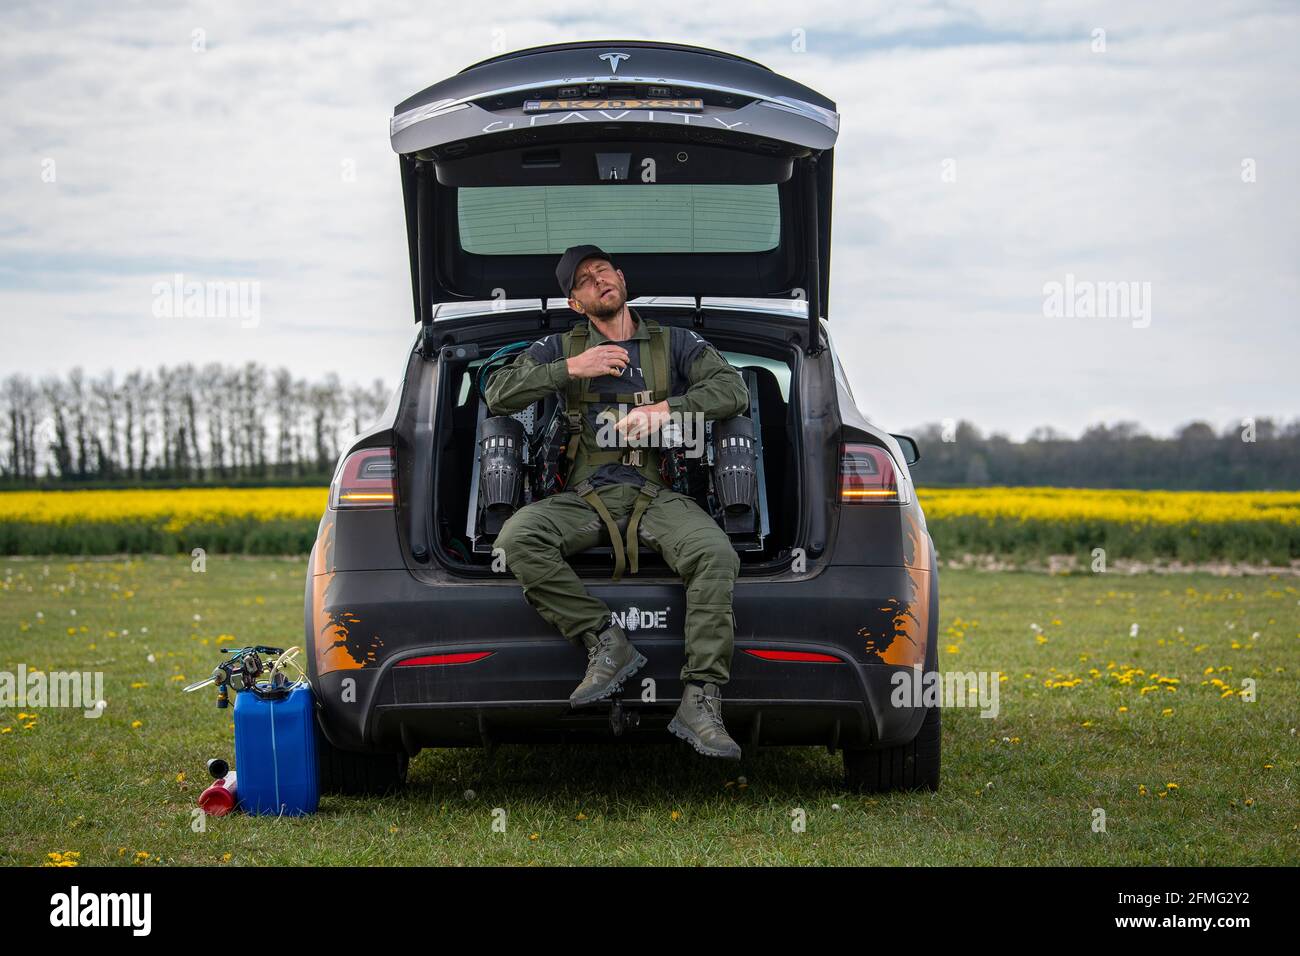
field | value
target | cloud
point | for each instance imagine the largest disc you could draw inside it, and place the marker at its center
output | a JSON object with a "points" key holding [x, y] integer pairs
{"points": [[263, 155]]}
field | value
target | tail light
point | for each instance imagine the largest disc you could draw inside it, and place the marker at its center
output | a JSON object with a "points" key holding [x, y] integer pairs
{"points": [[797, 657], [368, 479], [434, 660], [868, 475]]}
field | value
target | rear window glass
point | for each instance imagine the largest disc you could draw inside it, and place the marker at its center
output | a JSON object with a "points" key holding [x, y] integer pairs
{"points": [[546, 220]]}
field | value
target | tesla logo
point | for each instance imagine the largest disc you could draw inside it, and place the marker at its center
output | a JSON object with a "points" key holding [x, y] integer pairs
{"points": [[634, 618], [614, 59]]}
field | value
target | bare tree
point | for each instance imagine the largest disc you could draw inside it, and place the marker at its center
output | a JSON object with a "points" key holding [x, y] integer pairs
{"points": [[55, 393], [283, 398], [326, 404], [213, 400], [23, 409]]}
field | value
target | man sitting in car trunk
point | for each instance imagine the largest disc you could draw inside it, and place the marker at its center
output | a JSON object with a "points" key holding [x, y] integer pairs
{"points": [[624, 358]]}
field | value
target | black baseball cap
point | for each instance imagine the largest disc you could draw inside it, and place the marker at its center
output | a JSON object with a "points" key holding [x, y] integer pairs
{"points": [[569, 262]]}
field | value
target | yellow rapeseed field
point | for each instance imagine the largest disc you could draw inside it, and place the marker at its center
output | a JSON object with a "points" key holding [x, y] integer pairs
{"points": [[1114, 506], [161, 521], [1003, 521], [172, 509], [179, 507]]}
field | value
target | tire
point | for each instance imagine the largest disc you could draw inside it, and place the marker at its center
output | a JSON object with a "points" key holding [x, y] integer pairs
{"points": [[357, 774], [910, 766]]}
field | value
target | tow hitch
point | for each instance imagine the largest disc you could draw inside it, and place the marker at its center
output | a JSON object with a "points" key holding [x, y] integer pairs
{"points": [[620, 718]]}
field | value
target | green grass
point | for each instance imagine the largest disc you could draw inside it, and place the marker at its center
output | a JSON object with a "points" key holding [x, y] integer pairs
{"points": [[240, 535], [1014, 538], [108, 791]]}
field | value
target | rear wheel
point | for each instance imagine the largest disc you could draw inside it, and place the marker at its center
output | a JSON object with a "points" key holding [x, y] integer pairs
{"points": [[357, 774], [910, 766]]}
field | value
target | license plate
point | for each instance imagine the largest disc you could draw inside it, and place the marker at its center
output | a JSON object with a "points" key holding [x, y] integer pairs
{"points": [[547, 106]]}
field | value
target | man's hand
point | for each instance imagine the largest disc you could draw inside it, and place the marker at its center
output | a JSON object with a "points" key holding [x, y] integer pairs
{"points": [[642, 421], [604, 359]]}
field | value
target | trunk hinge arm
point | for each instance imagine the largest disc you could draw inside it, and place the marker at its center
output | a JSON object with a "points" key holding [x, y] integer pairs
{"points": [[697, 318], [812, 231], [424, 245]]}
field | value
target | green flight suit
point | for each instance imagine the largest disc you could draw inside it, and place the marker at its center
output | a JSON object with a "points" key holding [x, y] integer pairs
{"points": [[538, 538]]}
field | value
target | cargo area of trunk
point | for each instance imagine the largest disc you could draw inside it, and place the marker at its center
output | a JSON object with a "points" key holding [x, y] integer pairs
{"points": [[769, 369]]}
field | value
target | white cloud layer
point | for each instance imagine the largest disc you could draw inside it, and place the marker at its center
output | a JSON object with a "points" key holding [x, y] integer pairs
{"points": [[1118, 166]]}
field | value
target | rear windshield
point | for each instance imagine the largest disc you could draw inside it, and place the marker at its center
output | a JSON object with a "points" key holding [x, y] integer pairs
{"points": [[636, 217]]}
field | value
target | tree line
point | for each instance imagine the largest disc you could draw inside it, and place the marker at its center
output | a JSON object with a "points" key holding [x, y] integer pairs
{"points": [[182, 424], [1253, 455], [252, 424]]}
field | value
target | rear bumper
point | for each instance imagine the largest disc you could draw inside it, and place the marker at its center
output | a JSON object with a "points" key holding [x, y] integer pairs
{"points": [[872, 621]]}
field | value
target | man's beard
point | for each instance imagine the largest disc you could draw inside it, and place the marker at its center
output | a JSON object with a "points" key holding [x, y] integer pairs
{"points": [[607, 310]]}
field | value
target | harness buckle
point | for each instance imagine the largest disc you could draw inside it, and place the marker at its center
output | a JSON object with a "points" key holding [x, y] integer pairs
{"points": [[644, 397], [632, 457]]}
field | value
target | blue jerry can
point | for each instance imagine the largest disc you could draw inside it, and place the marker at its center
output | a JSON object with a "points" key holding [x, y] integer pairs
{"points": [[275, 752]]}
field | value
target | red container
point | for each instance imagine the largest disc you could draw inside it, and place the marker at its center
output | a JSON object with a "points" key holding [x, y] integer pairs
{"points": [[220, 798]]}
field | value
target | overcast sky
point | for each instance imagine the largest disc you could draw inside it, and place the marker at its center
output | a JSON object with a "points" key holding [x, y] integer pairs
{"points": [[987, 149]]}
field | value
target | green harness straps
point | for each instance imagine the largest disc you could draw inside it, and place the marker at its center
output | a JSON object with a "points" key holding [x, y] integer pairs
{"points": [[648, 491], [646, 460]]}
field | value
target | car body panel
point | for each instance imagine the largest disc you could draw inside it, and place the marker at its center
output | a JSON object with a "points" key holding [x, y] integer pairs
{"points": [[874, 621], [484, 99], [755, 127]]}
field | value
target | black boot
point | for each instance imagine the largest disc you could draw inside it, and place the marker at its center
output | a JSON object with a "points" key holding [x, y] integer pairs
{"points": [[698, 721], [611, 659]]}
